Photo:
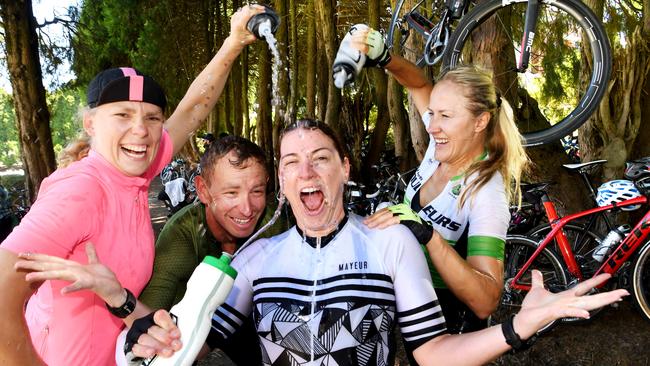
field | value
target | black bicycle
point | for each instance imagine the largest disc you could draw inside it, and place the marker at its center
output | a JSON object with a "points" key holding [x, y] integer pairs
{"points": [[560, 59]]}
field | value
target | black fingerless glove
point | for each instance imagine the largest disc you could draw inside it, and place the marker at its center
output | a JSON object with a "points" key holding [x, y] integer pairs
{"points": [[421, 230], [138, 328]]}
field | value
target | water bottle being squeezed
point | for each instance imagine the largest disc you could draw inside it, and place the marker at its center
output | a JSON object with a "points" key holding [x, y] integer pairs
{"points": [[264, 24], [349, 61]]}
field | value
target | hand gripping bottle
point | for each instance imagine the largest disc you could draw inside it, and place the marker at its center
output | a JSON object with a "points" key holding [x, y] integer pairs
{"points": [[263, 23], [207, 288], [349, 61]]}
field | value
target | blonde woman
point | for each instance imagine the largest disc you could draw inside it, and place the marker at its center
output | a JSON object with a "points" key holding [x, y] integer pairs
{"points": [[462, 187]]}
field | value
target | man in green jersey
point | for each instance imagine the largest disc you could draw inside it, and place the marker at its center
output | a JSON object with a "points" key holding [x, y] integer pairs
{"points": [[232, 194]]}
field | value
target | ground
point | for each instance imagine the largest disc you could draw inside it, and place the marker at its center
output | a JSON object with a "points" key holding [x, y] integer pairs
{"points": [[618, 336]]}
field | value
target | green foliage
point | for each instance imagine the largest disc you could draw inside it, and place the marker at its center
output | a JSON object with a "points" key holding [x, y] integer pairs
{"points": [[10, 152], [64, 105]]}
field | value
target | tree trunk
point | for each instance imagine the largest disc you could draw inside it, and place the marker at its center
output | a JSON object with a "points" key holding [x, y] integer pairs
{"points": [[293, 75], [327, 20], [312, 60], [263, 125], [323, 82], [32, 115], [380, 93], [246, 128], [401, 133]]}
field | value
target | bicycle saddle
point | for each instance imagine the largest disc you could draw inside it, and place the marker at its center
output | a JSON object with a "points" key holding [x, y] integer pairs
{"points": [[583, 167]]}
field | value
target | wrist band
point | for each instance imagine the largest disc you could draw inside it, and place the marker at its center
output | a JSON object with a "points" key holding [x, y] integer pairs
{"points": [[127, 308], [512, 338]]}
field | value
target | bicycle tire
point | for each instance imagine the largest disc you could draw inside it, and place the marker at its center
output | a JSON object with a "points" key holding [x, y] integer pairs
{"points": [[517, 251], [641, 281], [556, 13], [583, 243]]}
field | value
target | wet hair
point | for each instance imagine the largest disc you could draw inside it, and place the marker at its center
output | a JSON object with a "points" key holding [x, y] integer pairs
{"points": [[503, 141], [243, 149], [313, 124]]}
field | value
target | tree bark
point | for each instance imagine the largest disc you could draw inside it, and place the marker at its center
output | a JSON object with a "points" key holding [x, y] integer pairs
{"points": [[293, 75], [312, 60], [380, 82], [263, 125], [327, 21], [32, 115]]}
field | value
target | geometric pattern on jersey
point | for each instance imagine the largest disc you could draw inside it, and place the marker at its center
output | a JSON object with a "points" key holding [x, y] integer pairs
{"points": [[337, 304], [339, 334]]}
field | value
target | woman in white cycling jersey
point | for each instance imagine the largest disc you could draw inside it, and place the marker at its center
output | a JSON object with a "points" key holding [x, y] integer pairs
{"points": [[462, 188]]}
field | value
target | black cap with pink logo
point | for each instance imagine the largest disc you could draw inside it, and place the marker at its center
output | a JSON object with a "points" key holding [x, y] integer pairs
{"points": [[124, 84]]}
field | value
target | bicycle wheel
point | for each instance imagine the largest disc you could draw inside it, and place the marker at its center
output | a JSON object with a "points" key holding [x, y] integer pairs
{"points": [[517, 251], [583, 243], [569, 67], [641, 281]]}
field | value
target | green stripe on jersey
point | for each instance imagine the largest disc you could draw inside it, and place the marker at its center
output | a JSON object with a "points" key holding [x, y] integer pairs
{"points": [[485, 245]]}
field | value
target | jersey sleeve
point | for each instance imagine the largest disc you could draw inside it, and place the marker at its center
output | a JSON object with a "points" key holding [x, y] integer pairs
{"points": [[63, 216], [488, 220], [231, 314], [418, 311], [174, 263]]}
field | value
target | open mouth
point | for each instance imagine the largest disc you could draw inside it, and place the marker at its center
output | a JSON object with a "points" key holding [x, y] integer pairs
{"points": [[312, 199], [440, 140], [135, 151]]}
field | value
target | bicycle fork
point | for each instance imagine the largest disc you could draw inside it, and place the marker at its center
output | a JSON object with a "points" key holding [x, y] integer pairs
{"points": [[532, 10]]}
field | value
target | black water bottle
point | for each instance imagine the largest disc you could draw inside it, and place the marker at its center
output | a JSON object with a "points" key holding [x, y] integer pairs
{"points": [[258, 23]]}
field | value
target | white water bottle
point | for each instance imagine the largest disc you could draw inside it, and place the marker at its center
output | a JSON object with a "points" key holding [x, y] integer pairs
{"points": [[610, 242], [349, 61], [207, 288]]}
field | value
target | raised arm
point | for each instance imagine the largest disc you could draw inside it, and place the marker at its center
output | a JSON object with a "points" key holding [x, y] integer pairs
{"points": [[405, 72], [15, 342], [206, 89]]}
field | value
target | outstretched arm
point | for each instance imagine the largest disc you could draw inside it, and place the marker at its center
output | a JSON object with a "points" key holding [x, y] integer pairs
{"points": [[539, 308], [15, 342], [206, 89]]}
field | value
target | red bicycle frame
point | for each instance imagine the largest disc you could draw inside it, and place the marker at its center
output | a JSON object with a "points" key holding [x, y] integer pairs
{"points": [[610, 265]]}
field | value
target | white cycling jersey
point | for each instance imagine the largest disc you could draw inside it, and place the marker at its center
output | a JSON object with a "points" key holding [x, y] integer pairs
{"points": [[487, 209], [333, 302], [477, 228]]}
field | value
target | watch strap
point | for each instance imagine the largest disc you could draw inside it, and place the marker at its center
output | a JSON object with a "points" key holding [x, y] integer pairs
{"points": [[126, 309], [512, 338]]}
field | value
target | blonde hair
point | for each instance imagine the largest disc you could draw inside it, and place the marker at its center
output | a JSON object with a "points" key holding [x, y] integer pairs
{"points": [[503, 141], [75, 150]]}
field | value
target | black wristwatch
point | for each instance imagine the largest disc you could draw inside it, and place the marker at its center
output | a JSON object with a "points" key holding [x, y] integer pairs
{"points": [[126, 309], [512, 338]]}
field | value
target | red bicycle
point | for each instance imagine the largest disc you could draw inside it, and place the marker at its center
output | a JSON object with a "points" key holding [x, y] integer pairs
{"points": [[567, 250]]}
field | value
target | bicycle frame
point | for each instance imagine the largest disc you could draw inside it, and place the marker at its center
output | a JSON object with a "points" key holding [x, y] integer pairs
{"points": [[611, 264], [454, 10]]}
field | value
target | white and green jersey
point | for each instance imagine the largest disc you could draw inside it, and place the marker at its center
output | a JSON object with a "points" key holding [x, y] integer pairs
{"points": [[477, 228]]}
